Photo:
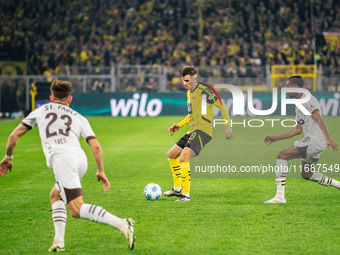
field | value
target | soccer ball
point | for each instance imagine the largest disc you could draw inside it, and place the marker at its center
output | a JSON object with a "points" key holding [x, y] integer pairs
{"points": [[152, 191]]}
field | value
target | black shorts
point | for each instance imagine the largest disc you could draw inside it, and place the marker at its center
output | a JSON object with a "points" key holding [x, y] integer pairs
{"points": [[195, 141], [182, 142]]}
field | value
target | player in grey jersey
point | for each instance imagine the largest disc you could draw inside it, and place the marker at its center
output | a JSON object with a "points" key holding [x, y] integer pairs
{"points": [[309, 148], [60, 128]]}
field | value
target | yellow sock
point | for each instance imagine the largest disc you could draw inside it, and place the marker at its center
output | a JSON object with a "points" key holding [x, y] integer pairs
{"points": [[176, 172], [185, 168]]}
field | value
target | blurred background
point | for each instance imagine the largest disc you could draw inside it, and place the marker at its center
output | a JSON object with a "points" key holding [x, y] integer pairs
{"points": [[120, 48]]}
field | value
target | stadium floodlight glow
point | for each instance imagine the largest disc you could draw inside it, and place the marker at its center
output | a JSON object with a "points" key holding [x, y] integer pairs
{"points": [[239, 100]]}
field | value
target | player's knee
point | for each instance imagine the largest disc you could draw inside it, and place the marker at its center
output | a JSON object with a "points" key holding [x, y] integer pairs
{"points": [[75, 213], [184, 158], [306, 175], [281, 155], [74, 208], [170, 155]]}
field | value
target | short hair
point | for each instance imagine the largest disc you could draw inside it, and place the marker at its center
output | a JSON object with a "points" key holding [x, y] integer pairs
{"points": [[296, 79], [189, 70], [61, 89]]}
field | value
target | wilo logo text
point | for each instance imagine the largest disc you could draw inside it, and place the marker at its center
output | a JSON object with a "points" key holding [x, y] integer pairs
{"points": [[136, 107]]}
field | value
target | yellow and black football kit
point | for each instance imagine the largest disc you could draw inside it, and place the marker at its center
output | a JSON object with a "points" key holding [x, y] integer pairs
{"points": [[198, 121], [201, 129], [200, 132]]}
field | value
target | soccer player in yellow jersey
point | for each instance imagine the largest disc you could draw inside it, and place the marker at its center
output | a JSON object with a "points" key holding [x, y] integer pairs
{"points": [[190, 145]]}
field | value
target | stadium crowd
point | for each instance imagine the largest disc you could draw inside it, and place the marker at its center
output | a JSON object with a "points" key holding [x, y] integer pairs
{"points": [[52, 34], [242, 36]]}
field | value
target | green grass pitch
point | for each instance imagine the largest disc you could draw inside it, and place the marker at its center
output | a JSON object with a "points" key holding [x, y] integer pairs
{"points": [[226, 215]]}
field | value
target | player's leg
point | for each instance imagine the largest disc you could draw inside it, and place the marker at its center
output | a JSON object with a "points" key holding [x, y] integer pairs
{"points": [[69, 169], [308, 172], [172, 155], [197, 140], [176, 171], [184, 159], [281, 173], [98, 214], [310, 156], [59, 216]]}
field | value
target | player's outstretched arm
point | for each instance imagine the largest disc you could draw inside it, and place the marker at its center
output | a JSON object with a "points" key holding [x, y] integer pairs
{"points": [[98, 155], [6, 163], [293, 132], [330, 142]]}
